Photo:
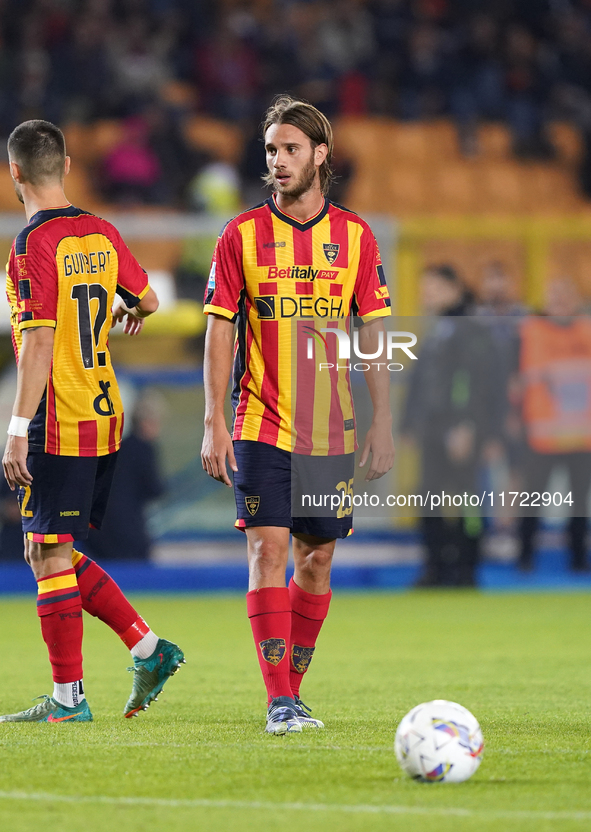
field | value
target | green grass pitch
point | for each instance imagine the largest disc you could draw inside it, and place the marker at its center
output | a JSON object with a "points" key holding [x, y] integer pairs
{"points": [[198, 759]]}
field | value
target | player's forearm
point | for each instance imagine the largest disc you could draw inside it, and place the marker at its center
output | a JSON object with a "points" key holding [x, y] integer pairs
{"points": [[33, 370], [217, 365], [147, 305], [377, 376]]}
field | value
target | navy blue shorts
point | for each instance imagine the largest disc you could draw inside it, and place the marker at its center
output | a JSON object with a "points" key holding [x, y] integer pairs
{"points": [[269, 478], [67, 496]]}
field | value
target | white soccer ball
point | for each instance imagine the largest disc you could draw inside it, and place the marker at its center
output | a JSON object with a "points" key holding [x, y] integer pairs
{"points": [[439, 742]]}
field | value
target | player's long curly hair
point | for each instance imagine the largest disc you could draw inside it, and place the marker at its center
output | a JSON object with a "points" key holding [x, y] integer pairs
{"points": [[313, 123]]}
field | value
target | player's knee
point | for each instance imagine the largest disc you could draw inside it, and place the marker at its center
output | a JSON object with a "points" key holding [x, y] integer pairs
{"points": [[267, 555], [318, 560], [34, 557]]}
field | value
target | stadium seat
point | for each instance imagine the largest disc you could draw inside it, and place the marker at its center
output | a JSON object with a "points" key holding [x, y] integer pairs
{"points": [[404, 189], [452, 188], [442, 140], [501, 187], [550, 189], [224, 141], [8, 200], [494, 141], [567, 141]]}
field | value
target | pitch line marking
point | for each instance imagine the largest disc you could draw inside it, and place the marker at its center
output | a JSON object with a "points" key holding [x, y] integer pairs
{"points": [[305, 807], [370, 749]]}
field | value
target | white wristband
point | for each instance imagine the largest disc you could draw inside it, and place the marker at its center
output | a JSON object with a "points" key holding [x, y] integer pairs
{"points": [[18, 426]]}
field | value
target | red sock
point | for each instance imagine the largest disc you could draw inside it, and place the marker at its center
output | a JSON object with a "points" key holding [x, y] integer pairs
{"points": [[270, 619], [60, 609], [307, 617], [102, 598]]}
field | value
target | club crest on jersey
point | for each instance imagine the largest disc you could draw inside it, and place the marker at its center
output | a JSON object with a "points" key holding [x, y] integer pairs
{"points": [[331, 251], [301, 657], [273, 650], [252, 504]]}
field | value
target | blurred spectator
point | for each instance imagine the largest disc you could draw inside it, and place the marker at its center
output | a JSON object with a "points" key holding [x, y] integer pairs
{"points": [[391, 21], [131, 171], [178, 161], [496, 295], [527, 84], [124, 533], [476, 85], [448, 413], [139, 66], [555, 367], [253, 166], [525, 63], [423, 74], [347, 42], [34, 67], [498, 305], [227, 70], [216, 189], [502, 314], [311, 74], [80, 71]]}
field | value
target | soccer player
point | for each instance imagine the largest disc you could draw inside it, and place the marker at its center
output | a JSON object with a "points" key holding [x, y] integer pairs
{"points": [[296, 257], [64, 270]]}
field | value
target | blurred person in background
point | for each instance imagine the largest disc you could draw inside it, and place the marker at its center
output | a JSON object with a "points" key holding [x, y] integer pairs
{"points": [[391, 21], [80, 82], [137, 481], [227, 69], [215, 189], [527, 85], [139, 61], [555, 381], [131, 171], [423, 74], [502, 313], [347, 41], [448, 414], [476, 79]]}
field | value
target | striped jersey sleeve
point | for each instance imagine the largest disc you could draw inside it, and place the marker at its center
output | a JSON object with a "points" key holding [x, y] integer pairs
{"points": [[370, 297], [132, 280], [226, 278], [33, 273]]}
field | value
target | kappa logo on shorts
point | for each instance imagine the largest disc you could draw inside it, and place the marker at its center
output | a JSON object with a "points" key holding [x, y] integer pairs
{"points": [[301, 657], [273, 650], [331, 251], [252, 504]]}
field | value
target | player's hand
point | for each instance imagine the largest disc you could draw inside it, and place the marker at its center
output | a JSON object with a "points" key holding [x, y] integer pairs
{"points": [[133, 324], [15, 462], [217, 445], [380, 444]]}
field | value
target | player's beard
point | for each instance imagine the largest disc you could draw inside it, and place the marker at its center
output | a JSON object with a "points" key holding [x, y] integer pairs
{"points": [[302, 185]]}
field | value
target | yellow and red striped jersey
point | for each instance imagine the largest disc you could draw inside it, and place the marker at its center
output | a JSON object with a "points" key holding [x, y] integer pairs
{"points": [[276, 276], [63, 272]]}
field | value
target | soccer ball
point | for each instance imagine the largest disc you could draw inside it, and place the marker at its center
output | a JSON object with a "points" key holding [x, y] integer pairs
{"points": [[439, 742]]}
